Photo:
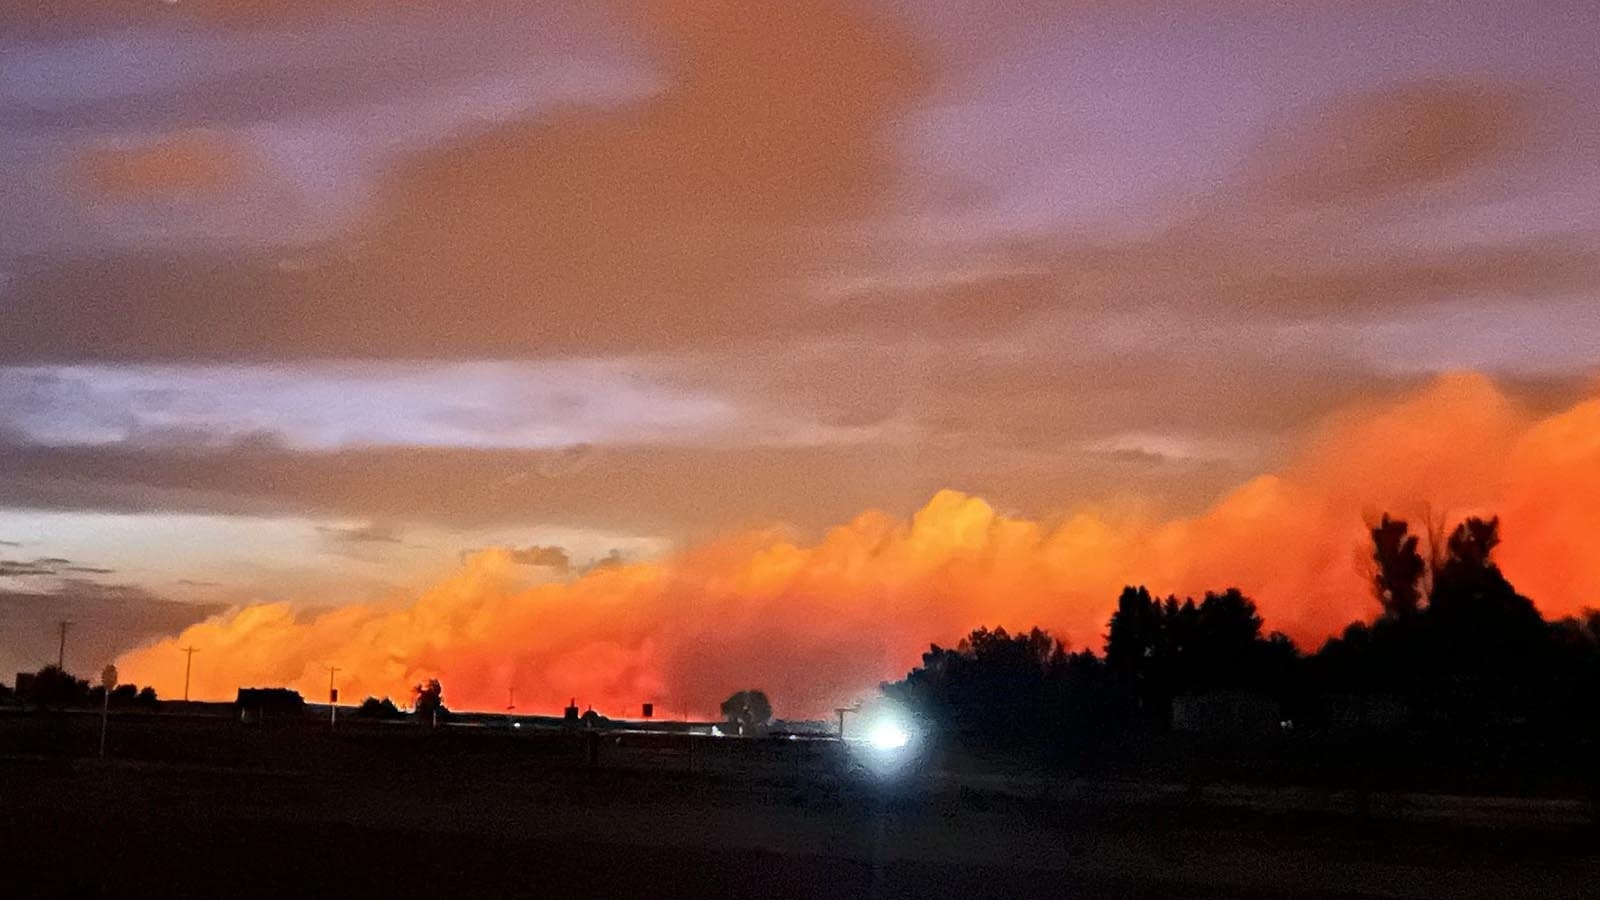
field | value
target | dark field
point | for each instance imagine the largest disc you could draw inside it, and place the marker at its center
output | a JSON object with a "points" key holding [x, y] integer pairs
{"points": [[194, 806]]}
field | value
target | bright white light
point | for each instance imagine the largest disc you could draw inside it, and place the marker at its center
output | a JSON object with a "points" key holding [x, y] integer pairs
{"points": [[887, 736]]}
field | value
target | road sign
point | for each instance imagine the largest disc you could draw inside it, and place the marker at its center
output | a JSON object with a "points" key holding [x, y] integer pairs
{"points": [[108, 677], [649, 710]]}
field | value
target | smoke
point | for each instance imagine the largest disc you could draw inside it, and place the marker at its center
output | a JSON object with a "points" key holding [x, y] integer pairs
{"points": [[817, 624]]}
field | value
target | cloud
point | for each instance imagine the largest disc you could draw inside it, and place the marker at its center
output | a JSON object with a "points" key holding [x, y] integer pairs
{"points": [[20, 569], [1319, 223], [612, 559], [539, 556], [179, 166], [706, 227], [368, 533], [815, 622], [46, 566], [766, 145], [629, 489], [991, 424], [1383, 142], [565, 404], [107, 621], [744, 202], [545, 557], [54, 16]]}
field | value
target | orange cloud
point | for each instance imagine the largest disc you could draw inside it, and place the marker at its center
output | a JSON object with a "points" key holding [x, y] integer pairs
{"points": [[180, 166], [816, 623]]}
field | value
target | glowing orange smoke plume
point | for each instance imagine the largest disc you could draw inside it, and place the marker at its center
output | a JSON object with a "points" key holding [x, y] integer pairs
{"points": [[815, 625]]}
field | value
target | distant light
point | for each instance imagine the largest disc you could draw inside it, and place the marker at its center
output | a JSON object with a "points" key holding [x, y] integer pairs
{"points": [[887, 736], [516, 724]]}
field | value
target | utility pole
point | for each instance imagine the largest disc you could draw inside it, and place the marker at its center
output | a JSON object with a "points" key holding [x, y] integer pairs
{"points": [[61, 650], [841, 711], [688, 734], [511, 700], [333, 700], [188, 663], [108, 683]]}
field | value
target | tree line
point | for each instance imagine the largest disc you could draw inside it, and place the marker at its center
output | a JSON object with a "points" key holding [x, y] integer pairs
{"points": [[1454, 647], [53, 686]]}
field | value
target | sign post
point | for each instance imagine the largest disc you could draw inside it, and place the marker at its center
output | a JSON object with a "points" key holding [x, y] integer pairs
{"points": [[108, 682]]}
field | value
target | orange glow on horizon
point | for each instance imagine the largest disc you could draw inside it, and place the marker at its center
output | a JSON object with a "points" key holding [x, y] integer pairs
{"points": [[818, 624]]}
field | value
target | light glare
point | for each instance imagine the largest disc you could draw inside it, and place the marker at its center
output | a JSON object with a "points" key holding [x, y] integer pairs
{"points": [[887, 736]]}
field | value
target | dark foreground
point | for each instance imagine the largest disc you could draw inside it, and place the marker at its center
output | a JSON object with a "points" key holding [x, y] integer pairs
{"points": [[465, 816]]}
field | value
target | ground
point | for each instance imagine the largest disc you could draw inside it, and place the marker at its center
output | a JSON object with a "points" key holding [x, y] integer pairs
{"points": [[209, 808]]}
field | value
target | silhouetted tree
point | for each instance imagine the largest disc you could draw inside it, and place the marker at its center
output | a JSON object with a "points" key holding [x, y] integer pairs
{"points": [[1134, 631], [427, 700], [1472, 598], [1575, 664], [147, 696], [1399, 568], [1483, 635], [747, 712], [1229, 628], [53, 686], [994, 686], [1141, 644], [373, 708], [1157, 650], [254, 705], [1466, 655], [1477, 653]]}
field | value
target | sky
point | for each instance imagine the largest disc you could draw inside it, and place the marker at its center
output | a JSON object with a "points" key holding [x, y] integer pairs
{"points": [[651, 351]]}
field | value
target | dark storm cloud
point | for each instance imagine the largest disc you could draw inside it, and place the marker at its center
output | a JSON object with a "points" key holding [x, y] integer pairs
{"points": [[107, 621]]}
